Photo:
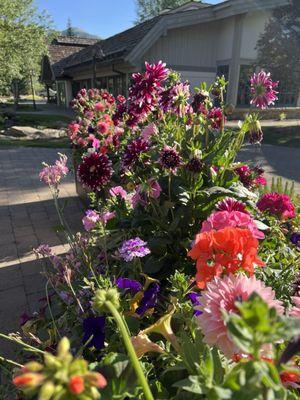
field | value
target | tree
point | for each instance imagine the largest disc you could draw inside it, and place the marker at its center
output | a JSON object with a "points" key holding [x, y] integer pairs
{"points": [[23, 42], [150, 8], [279, 47], [70, 31]]}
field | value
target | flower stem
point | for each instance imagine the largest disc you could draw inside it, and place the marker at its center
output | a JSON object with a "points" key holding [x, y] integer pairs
{"points": [[130, 349]]}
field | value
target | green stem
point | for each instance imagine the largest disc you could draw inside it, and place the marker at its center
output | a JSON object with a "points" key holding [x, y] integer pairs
{"points": [[11, 362], [130, 349], [27, 346]]}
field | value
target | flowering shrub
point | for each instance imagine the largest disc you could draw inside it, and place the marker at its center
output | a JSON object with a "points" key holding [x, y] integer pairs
{"points": [[184, 283]]}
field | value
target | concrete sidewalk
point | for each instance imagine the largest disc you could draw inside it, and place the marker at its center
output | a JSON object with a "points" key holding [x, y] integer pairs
{"points": [[28, 218]]}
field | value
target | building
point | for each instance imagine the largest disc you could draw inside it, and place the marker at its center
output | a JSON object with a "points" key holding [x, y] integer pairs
{"points": [[59, 49], [199, 40]]}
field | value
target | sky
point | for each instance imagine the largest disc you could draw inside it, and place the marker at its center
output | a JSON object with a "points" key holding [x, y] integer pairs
{"points": [[99, 17]]}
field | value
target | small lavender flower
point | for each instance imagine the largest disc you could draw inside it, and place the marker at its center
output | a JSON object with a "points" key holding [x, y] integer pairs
{"points": [[130, 284], [133, 248]]}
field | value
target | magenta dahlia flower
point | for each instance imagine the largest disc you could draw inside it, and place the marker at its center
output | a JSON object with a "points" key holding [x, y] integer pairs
{"points": [[170, 158], [133, 152], [221, 294], [277, 204], [262, 90], [230, 204], [251, 177], [216, 117], [95, 171], [235, 219], [195, 165]]}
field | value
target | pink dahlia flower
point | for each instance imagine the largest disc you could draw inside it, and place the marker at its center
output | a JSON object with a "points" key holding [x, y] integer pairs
{"points": [[230, 204], [118, 191], [262, 90], [90, 220], [52, 174], [148, 131], [277, 204], [235, 219], [221, 294], [295, 311]]}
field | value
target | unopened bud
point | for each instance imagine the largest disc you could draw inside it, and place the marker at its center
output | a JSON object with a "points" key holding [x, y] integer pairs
{"points": [[46, 391], [96, 379], [51, 361], [102, 296], [63, 347], [28, 380], [32, 366]]}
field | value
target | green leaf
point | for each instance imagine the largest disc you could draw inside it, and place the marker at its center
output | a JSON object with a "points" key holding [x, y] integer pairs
{"points": [[191, 384]]}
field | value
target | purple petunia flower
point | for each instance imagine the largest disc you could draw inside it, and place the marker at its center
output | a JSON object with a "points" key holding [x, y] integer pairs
{"points": [[295, 239], [133, 248], [94, 327], [131, 284], [149, 299], [194, 298]]}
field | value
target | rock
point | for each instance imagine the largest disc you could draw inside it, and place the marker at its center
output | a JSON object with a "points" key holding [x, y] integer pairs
{"points": [[27, 132]]}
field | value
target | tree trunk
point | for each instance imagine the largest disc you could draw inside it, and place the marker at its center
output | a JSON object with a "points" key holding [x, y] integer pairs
{"points": [[48, 94], [33, 94], [16, 94]]}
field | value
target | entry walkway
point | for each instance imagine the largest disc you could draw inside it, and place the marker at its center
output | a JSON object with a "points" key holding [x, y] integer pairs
{"points": [[27, 219]]}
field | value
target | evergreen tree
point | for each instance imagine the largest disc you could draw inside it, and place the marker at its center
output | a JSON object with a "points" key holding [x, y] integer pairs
{"points": [[150, 8], [279, 47], [70, 31]]}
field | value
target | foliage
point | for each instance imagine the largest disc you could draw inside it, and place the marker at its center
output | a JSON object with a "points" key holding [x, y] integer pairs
{"points": [[280, 43], [151, 8], [23, 40]]}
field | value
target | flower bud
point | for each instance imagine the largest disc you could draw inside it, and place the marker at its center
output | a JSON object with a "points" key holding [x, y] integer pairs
{"points": [[63, 347], [96, 379], [32, 366], [102, 296], [28, 380], [95, 394], [76, 384], [46, 391], [51, 361]]}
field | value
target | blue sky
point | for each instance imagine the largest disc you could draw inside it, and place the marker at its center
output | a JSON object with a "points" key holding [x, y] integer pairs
{"points": [[100, 17]]}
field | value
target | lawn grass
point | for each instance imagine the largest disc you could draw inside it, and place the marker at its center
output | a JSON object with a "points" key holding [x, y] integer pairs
{"points": [[61, 143], [287, 136], [42, 121]]}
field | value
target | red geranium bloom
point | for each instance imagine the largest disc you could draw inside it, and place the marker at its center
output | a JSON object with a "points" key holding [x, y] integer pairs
{"points": [[224, 252]]}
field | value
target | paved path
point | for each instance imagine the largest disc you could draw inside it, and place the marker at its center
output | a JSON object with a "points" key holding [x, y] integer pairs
{"points": [[27, 217], [276, 161], [269, 123]]}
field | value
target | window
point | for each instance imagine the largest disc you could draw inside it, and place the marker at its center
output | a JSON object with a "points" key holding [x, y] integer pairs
{"points": [[75, 88], [243, 98], [113, 84]]}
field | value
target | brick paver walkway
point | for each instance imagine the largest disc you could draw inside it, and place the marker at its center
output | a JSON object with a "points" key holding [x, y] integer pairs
{"points": [[27, 216]]}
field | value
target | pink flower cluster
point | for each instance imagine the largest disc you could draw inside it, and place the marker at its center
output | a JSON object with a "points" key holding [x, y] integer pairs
{"points": [[236, 219], [92, 217], [52, 174], [143, 193], [262, 90], [277, 204]]}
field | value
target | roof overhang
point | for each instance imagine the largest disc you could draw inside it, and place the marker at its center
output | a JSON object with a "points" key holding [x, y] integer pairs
{"points": [[212, 13]]}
